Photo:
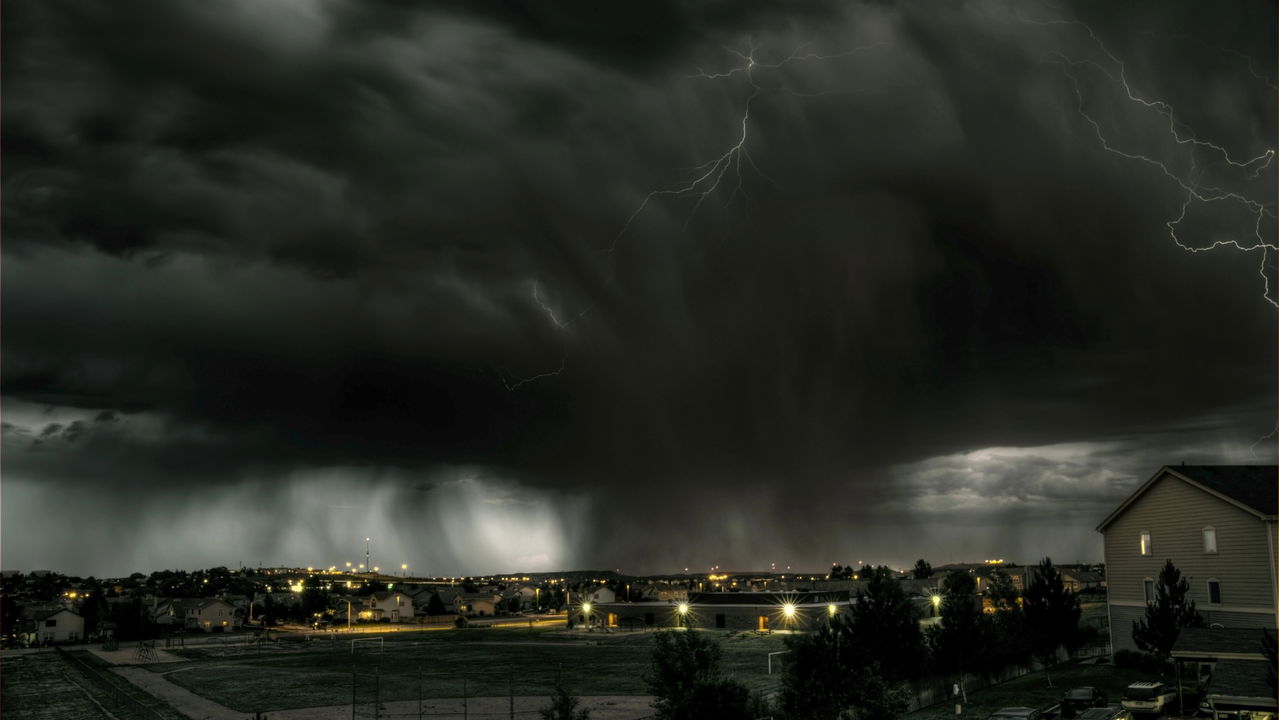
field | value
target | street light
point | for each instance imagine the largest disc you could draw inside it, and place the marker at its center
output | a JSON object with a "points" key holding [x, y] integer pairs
{"points": [[788, 610], [936, 604]]}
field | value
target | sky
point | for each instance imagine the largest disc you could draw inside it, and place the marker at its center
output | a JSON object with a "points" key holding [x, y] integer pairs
{"points": [[536, 285]]}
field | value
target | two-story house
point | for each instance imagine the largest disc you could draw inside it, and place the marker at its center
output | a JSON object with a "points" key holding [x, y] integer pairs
{"points": [[388, 605], [1217, 523]]}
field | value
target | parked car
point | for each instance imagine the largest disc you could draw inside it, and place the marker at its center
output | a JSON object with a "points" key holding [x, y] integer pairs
{"points": [[1015, 713], [1152, 698], [1081, 698], [1111, 712]]}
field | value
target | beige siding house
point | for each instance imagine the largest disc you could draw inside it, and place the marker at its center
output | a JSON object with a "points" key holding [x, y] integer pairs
{"points": [[1217, 525]]}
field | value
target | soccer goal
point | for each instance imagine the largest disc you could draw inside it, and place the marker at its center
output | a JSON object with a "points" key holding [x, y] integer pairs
{"points": [[371, 641]]}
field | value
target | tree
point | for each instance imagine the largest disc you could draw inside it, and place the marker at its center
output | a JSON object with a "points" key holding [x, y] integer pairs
{"points": [[564, 707], [1052, 613], [957, 638], [852, 667], [686, 680], [922, 570], [879, 699], [886, 628], [1167, 615], [819, 680], [1009, 632], [435, 606]]}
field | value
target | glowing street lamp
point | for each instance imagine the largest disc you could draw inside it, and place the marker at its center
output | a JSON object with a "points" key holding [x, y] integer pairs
{"points": [[936, 604], [788, 609]]}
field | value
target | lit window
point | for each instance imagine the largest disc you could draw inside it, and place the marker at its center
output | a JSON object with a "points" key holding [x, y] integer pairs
{"points": [[1145, 543], [1210, 540], [1149, 586], [1214, 592]]}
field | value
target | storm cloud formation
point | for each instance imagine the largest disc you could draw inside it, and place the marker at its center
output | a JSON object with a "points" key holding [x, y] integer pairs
{"points": [[280, 276]]}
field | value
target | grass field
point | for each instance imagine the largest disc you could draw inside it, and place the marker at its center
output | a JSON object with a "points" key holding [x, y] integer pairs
{"points": [[38, 686], [473, 662], [1033, 691]]}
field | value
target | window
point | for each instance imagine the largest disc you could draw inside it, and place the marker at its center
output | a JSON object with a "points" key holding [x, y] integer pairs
{"points": [[1210, 540], [1145, 543], [1149, 586], [1214, 592]]}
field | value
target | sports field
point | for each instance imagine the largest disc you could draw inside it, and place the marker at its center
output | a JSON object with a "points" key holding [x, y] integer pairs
{"points": [[322, 670]]}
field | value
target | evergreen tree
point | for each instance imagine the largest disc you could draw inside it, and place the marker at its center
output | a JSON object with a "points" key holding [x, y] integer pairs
{"points": [[1009, 632], [957, 640], [435, 606], [1167, 615], [922, 570], [1052, 613], [686, 680], [886, 627]]}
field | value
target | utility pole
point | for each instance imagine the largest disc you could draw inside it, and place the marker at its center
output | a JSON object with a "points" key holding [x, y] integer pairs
{"points": [[368, 564]]}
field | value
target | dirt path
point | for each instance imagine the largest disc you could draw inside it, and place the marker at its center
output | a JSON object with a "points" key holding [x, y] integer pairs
{"points": [[181, 699], [607, 707]]}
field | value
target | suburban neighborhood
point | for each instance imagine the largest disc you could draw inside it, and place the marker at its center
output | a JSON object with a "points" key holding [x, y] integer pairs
{"points": [[1195, 542]]}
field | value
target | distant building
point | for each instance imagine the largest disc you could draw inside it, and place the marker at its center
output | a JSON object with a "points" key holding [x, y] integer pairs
{"points": [[389, 606], [48, 627], [480, 604], [762, 612], [1217, 523], [205, 614]]}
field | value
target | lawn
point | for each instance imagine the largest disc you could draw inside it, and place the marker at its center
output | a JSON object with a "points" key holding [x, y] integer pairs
{"points": [[1032, 690], [472, 662], [38, 686]]}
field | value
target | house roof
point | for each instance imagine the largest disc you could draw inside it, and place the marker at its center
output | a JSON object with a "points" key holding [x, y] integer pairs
{"points": [[1209, 643], [1240, 679], [768, 598], [1251, 488]]}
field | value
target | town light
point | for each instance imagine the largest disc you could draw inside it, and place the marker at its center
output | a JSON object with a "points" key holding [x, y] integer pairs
{"points": [[683, 608], [832, 609], [788, 610], [586, 608]]}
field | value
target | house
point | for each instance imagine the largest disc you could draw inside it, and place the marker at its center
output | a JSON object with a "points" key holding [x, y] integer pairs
{"points": [[1080, 580], [476, 604], [1229, 666], [1217, 523], [389, 606], [595, 595], [47, 627], [207, 614]]}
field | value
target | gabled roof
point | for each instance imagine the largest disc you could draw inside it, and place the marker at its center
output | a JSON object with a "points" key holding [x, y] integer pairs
{"points": [[1215, 643], [1251, 488], [1241, 679]]}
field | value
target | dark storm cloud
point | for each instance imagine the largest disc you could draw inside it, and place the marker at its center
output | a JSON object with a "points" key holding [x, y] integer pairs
{"points": [[252, 248]]}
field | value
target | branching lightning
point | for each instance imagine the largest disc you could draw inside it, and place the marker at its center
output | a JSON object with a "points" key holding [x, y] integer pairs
{"points": [[1192, 183], [709, 176], [561, 326]]}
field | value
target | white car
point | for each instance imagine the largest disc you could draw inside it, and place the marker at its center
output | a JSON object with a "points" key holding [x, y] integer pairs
{"points": [[1148, 697]]}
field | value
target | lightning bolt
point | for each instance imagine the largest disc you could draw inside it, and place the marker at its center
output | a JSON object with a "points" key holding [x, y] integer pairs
{"points": [[1253, 448], [561, 327], [708, 177], [1196, 191]]}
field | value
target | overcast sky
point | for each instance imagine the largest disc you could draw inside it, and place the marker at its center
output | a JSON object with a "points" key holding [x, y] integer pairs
{"points": [[537, 285]]}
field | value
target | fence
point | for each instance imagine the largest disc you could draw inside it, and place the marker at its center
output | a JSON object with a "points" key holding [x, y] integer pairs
{"points": [[115, 695]]}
